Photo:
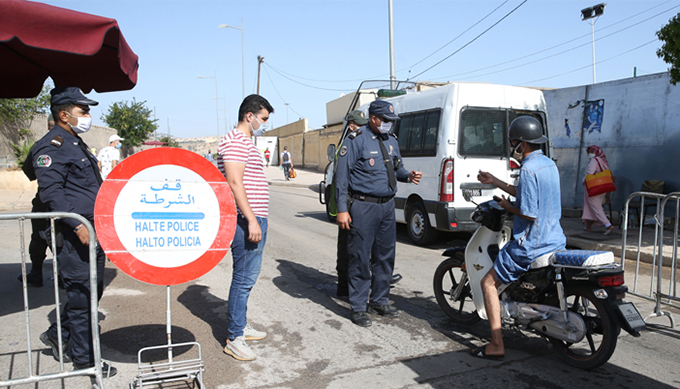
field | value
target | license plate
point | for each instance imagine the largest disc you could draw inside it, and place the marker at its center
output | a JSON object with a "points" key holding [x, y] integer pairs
{"points": [[631, 315], [480, 192]]}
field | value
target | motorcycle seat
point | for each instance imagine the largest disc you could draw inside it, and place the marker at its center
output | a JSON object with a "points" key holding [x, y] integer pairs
{"points": [[583, 258]]}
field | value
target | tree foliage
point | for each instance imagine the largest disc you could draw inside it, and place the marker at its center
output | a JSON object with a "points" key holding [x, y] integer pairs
{"points": [[171, 142], [132, 120], [670, 50], [17, 111]]}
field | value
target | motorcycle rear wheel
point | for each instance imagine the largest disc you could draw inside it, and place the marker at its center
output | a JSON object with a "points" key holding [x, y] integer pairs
{"points": [[601, 333], [446, 279]]}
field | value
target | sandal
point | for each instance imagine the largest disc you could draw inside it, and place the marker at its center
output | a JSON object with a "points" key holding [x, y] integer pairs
{"points": [[480, 352], [609, 230]]}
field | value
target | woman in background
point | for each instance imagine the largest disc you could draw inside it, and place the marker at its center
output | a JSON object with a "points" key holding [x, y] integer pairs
{"points": [[593, 212]]}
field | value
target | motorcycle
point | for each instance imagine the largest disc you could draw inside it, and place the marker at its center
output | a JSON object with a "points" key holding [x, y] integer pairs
{"points": [[574, 298]]}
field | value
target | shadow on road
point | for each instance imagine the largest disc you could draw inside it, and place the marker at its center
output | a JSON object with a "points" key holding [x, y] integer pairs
{"points": [[300, 281], [207, 307], [129, 340]]}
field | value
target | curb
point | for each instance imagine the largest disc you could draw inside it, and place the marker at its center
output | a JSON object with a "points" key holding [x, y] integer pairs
{"points": [[314, 187]]}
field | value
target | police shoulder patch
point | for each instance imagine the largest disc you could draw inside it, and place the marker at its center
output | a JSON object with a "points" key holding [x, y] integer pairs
{"points": [[343, 151], [354, 134], [44, 161], [57, 141]]}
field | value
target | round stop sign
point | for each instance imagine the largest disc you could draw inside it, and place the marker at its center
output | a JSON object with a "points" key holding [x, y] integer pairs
{"points": [[165, 216]]}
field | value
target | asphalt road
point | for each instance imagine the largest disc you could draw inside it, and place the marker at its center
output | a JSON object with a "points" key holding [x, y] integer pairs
{"points": [[311, 341]]}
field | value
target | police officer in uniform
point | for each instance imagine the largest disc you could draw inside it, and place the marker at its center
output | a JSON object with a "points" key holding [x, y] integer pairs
{"points": [[68, 181], [369, 166]]}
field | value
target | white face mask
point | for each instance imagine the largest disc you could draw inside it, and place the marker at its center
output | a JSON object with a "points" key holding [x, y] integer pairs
{"points": [[264, 127], [83, 125], [385, 127], [518, 155], [591, 156]]}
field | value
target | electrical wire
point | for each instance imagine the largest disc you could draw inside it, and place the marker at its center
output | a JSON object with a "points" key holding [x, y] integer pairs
{"points": [[550, 56], [454, 39], [596, 63], [470, 42], [285, 102], [302, 83]]}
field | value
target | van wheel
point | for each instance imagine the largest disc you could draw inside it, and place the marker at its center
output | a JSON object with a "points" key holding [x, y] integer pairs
{"points": [[419, 229]]}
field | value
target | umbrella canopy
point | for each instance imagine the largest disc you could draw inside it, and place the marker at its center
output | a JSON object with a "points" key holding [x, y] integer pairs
{"points": [[75, 49]]}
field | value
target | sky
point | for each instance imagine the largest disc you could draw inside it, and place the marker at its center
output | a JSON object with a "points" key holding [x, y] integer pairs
{"points": [[317, 50]]}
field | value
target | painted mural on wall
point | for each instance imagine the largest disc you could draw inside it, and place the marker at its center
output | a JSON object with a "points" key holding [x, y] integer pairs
{"points": [[593, 116]]}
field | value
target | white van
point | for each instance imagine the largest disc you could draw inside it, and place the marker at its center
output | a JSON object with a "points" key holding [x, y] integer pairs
{"points": [[450, 133]]}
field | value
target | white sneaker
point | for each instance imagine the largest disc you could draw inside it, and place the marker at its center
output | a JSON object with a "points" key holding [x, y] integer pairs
{"points": [[252, 334], [238, 349]]}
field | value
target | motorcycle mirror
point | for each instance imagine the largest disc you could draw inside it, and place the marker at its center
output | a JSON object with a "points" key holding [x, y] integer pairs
{"points": [[467, 195]]}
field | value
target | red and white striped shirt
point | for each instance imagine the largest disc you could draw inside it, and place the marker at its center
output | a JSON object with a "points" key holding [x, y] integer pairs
{"points": [[237, 147]]}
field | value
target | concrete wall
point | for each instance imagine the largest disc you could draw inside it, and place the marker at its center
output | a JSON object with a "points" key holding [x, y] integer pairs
{"points": [[308, 149], [640, 134], [97, 137]]}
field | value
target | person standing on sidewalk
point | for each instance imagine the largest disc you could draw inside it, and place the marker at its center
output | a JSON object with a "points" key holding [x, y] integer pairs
{"points": [[368, 169], [267, 155], [109, 156], [242, 164], [286, 162], [68, 181]]}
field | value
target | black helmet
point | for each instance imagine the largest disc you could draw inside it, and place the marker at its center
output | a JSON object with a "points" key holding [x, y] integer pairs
{"points": [[527, 129]]}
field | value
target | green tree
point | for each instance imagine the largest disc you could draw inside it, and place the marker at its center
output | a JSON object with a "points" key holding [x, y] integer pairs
{"points": [[670, 50], [15, 118], [171, 142], [132, 120]]}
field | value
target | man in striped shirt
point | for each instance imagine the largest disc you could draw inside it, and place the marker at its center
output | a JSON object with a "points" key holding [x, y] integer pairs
{"points": [[243, 166]]}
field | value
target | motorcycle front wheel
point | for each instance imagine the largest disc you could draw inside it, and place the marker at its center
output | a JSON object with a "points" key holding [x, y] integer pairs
{"points": [[601, 333], [446, 279]]}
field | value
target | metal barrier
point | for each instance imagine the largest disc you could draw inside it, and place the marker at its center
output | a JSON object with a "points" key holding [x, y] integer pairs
{"points": [[95, 371], [654, 294]]}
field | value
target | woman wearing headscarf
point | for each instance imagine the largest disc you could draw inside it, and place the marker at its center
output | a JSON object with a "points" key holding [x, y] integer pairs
{"points": [[593, 212]]}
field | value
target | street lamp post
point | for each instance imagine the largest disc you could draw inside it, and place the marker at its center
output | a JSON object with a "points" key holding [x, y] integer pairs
{"points": [[286, 104], [217, 102], [591, 14], [243, 56]]}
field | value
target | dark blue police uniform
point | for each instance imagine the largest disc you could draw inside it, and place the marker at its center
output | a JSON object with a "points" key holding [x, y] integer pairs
{"points": [[68, 181], [363, 190]]}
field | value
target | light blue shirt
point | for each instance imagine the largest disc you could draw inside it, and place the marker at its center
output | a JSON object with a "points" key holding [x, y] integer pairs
{"points": [[538, 196]]}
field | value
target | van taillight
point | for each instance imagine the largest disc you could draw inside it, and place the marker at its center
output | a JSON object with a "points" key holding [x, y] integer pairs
{"points": [[446, 192], [513, 164]]}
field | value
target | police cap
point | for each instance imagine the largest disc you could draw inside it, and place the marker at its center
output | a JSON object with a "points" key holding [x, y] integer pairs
{"points": [[383, 109], [69, 95], [357, 116]]}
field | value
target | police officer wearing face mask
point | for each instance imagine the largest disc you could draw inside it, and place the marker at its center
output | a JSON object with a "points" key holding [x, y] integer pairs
{"points": [[369, 166], [68, 181]]}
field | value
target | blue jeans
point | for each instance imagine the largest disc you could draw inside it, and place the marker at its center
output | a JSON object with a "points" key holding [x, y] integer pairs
{"points": [[247, 263]]}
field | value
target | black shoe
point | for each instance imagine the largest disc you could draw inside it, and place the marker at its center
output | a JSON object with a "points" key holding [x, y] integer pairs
{"points": [[383, 310], [108, 371], [395, 278], [49, 341], [32, 280], [361, 319]]}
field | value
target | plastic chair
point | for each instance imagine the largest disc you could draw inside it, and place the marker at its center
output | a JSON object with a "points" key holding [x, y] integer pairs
{"points": [[653, 186]]}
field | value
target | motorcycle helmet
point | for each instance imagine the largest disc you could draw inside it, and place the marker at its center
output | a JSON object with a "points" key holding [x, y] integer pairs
{"points": [[527, 129]]}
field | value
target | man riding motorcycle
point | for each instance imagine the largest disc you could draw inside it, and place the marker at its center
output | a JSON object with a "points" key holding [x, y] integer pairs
{"points": [[536, 227]]}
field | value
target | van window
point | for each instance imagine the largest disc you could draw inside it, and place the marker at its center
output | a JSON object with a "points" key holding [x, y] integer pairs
{"points": [[417, 133], [483, 133]]}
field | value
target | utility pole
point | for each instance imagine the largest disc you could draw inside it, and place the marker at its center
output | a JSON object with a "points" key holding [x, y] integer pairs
{"points": [[286, 104], [393, 77], [260, 59]]}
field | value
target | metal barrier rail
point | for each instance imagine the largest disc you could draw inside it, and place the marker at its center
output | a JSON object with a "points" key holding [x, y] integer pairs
{"points": [[95, 371], [672, 295], [657, 253]]}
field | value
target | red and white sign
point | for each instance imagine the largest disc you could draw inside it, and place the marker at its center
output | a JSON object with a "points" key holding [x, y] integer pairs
{"points": [[165, 216]]}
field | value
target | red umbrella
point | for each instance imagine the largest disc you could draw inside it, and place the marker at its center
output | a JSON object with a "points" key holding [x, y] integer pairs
{"points": [[75, 49]]}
